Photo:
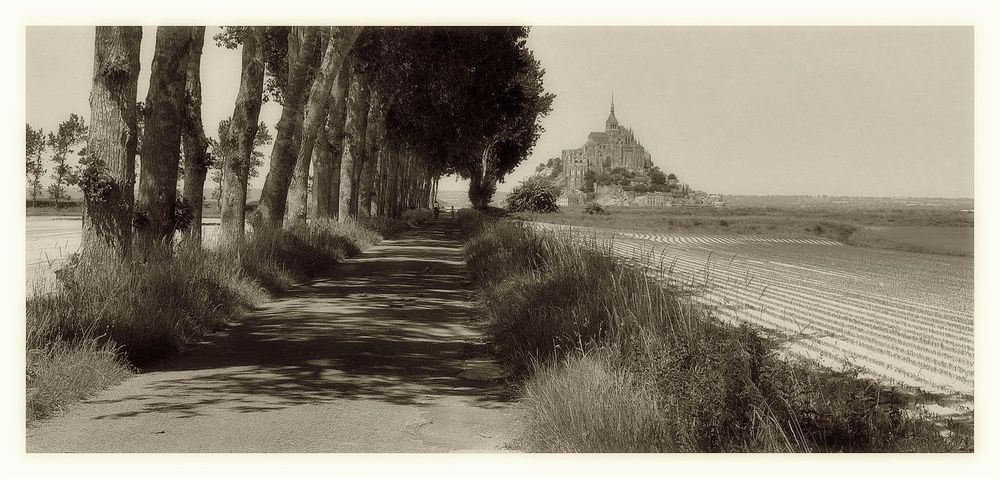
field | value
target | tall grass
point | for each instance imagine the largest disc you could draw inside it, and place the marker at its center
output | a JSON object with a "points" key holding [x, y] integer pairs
{"points": [[107, 314], [613, 361]]}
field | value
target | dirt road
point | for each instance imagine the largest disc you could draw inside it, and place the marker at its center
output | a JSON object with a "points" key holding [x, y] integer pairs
{"points": [[382, 356]]}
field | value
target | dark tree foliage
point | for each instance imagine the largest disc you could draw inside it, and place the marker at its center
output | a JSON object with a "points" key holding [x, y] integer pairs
{"points": [[657, 177], [589, 178], [455, 93], [275, 50]]}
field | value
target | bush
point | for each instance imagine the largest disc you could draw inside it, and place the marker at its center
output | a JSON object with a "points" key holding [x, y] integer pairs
{"points": [[595, 209], [535, 194]]}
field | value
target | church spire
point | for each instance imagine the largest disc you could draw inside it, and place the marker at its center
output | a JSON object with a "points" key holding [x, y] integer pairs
{"points": [[612, 122]]}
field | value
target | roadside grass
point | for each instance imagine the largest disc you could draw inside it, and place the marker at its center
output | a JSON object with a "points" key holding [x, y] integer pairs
{"points": [[613, 361], [843, 225], [105, 316], [63, 372]]}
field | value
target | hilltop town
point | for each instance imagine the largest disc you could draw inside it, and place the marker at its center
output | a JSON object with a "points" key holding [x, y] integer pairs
{"points": [[613, 168]]}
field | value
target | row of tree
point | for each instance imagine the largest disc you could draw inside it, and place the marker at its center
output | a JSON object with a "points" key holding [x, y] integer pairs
{"points": [[61, 143], [377, 114]]}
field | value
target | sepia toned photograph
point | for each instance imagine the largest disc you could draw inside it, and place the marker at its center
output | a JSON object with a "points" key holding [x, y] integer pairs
{"points": [[499, 238]]}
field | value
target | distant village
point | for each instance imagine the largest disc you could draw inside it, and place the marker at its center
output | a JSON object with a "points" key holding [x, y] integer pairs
{"points": [[613, 169]]}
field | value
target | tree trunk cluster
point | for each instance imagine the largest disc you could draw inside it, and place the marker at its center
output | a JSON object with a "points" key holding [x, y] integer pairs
{"points": [[331, 141]]}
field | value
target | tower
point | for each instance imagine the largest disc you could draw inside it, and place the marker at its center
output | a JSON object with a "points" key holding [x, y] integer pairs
{"points": [[612, 122]]}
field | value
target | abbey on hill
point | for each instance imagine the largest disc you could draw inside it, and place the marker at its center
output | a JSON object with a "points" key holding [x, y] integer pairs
{"points": [[615, 147], [613, 168]]}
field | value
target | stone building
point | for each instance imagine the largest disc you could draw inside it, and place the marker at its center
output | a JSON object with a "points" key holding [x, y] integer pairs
{"points": [[606, 150]]}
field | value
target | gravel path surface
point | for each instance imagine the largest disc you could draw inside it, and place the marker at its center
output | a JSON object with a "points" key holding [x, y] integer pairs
{"points": [[381, 356]]}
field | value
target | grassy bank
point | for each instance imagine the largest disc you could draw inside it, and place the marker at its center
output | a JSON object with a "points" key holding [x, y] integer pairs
{"points": [[612, 361], [849, 226], [104, 317]]}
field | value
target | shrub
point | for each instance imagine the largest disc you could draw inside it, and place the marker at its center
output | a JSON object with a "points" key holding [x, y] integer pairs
{"points": [[595, 209], [535, 194]]}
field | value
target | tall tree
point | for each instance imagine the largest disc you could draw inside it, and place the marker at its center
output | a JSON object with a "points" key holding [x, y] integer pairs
{"points": [[164, 120], [341, 40], [327, 151], [108, 178], [195, 144], [374, 139], [355, 125], [303, 43], [35, 147], [238, 144], [63, 142]]}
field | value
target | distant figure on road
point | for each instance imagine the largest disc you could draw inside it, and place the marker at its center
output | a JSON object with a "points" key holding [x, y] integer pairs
{"points": [[452, 211], [437, 210]]}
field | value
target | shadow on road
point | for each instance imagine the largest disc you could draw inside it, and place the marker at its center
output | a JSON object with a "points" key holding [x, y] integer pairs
{"points": [[394, 325]]}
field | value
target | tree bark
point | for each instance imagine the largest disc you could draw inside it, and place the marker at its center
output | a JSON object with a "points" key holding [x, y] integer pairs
{"points": [[341, 41], [196, 159], [353, 145], [382, 191], [161, 140], [242, 131], [113, 136], [373, 143], [326, 183], [302, 42]]}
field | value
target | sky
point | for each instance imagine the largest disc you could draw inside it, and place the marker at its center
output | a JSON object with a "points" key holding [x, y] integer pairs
{"points": [[860, 111]]}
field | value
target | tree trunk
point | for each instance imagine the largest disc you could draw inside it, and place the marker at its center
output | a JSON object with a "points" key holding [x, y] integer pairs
{"points": [[326, 185], [374, 137], [353, 145], [302, 45], [391, 174], [340, 44], [242, 131], [381, 192], [196, 159], [164, 111], [113, 137], [481, 190], [302, 42]]}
